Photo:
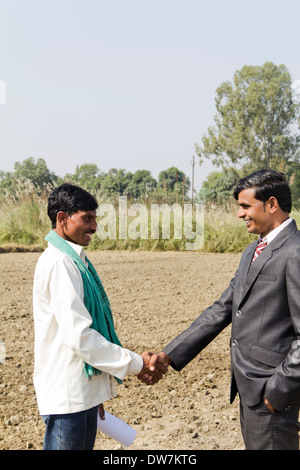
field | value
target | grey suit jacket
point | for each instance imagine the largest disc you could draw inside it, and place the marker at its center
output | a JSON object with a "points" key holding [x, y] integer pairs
{"points": [[263, 304]]}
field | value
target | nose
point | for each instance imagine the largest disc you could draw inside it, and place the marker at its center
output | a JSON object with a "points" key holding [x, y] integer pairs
{"points": [[94, 225], [241, 212]]}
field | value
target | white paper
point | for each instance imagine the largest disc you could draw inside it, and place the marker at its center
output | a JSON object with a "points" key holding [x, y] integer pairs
{"points": [[116, 429]]}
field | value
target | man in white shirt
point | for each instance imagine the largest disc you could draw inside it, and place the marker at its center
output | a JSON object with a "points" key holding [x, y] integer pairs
{"points": [[75, 365]]}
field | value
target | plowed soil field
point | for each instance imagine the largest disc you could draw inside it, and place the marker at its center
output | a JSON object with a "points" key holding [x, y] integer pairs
{"points": [[154, 296]]}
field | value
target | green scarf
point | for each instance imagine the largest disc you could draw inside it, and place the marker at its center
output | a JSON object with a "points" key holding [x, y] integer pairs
{"points": [[95, 298]]}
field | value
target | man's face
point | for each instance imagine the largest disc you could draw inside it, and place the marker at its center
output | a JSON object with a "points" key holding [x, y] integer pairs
{"points": [[80, 227], [255, 213]]}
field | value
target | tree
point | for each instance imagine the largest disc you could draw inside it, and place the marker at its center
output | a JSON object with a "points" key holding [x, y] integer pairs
{"points": [[256, 121], [38, 173], [115, 182], [88, 176], [219, 186], [174, 180], [7, 183], [141, 184], [29, 176]]}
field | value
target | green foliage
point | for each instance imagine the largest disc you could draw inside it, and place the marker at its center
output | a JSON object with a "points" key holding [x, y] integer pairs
{"points": [[23, 200], [219, 186], [173, 184], [295, 188], [141, 184], [88, 176], [224, 232], [24, 224], [174, 180], [256, 121], [38, 173], [24, 221], [115, 183], [27, 174]]}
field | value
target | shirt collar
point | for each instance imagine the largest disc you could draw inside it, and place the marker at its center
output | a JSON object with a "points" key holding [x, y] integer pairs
{"points": [[79, 250], [268, 238]]}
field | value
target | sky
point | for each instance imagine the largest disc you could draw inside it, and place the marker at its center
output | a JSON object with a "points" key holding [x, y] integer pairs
{"points": [[128, 84]]}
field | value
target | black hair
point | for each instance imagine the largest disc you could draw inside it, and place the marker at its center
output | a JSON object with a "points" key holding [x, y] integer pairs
{"points": [[267, 183], [69, 199]]}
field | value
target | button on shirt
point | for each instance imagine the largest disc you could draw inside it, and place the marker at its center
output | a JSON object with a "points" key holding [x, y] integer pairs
{"points": [[64, 341]]}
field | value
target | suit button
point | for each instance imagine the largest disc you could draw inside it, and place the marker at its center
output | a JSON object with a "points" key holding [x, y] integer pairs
{"points": [[238, 313], [234, 342]]}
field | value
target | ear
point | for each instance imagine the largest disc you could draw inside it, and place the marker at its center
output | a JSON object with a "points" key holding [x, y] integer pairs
{"points": [[62, 218], [273, 204]]}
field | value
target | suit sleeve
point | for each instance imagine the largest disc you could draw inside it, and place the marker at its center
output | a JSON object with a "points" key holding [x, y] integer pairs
{"points": [[202, 331], [283, 388]]}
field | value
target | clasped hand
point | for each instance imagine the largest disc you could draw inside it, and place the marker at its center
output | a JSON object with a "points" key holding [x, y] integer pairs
{"points": [[155, 365]]}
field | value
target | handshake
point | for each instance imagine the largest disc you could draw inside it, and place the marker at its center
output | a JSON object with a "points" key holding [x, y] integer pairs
{"points": [[155, 365]]}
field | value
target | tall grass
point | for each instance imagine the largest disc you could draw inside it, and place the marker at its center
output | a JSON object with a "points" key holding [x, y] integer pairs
{"points": [[23, 219], [24, 224], [224, 232]]}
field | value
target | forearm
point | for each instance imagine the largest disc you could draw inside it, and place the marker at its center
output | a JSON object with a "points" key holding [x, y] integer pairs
{"points": [[95, 350], [202, 331]]}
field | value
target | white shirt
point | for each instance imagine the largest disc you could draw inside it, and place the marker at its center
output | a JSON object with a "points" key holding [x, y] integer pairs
{"points": [[64, 341]]}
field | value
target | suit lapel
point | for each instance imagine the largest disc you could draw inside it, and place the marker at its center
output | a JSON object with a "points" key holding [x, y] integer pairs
{"points": [[256, 267], [250, 271]]}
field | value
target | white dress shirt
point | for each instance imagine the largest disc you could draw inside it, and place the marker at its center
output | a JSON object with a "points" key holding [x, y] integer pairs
{"points": [[64, 341]]}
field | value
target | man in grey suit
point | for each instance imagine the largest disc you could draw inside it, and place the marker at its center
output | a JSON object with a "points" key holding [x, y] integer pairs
{"points": [[263, 304]]}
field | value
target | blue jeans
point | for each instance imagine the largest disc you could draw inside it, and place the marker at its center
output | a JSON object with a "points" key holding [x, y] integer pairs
{"points": [[74, 431]]}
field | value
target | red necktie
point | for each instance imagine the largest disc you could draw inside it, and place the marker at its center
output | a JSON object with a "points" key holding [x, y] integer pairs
{"points": [[261, 245]]}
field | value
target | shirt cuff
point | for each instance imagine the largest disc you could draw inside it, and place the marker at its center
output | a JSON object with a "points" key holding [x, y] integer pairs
{"points": [[136, 364]]}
